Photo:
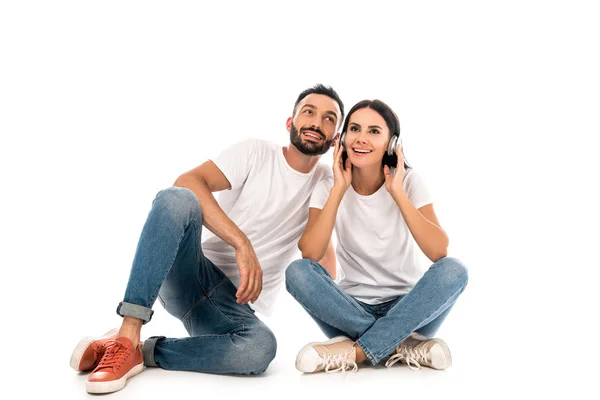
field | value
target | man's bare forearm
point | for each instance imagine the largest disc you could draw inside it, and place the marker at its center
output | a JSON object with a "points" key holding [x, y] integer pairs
{"points": [[213, 216]]}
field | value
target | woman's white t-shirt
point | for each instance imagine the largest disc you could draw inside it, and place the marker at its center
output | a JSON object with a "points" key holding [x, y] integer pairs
{"points": [[378, 257]]}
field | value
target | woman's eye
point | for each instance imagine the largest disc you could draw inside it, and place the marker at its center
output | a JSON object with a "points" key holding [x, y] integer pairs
{"points": [[354, 129]]}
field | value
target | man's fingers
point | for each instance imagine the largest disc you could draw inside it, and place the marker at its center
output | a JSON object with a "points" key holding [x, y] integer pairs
{"points": [[258, 288], [242, 287], [246, 295]]}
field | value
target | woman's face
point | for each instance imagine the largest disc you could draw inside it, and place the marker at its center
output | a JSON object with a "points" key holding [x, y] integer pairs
{"points": [[367, 138]]}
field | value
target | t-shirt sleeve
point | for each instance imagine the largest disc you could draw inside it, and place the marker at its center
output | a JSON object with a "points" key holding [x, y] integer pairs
{"points": [[416, 189], [236, 161], [320, 193]]}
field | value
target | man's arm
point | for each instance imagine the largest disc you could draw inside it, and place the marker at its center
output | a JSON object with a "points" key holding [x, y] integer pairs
{"points": [[203, 181]]}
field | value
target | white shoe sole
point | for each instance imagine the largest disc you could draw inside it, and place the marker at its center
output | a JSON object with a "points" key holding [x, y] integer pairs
{"points": [[310, 345], [445, 361], [82, 347], [113, 386]]}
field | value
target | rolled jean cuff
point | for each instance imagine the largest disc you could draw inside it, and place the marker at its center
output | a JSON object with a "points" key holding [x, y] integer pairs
{"points": [[148, 350], [133, 310], [369, 355]]}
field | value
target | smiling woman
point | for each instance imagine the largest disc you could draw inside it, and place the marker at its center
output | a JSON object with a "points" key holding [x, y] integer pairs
{"points": [[385, 124], [385, 304]]}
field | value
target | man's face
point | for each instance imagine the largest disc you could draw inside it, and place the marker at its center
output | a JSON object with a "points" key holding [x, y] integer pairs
{"points": [[314, 125]]}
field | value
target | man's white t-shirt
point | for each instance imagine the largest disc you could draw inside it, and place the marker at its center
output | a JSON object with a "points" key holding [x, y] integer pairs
{"points": [[269, 202], [378, 257]]}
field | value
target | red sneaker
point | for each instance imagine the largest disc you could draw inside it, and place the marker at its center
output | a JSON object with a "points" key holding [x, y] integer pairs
{"points": [[89, 351], [119, 363]]}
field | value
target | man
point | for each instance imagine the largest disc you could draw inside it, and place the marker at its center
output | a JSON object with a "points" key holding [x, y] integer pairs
{"points": [[214, 285]]}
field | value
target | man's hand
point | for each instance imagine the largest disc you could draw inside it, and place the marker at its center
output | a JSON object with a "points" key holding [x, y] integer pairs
{"points": [[251, 275]]}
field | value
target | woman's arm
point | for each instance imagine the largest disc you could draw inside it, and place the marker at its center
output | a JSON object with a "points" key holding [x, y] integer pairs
{"points": [[424, 227], [317, 234], [422, 223]]}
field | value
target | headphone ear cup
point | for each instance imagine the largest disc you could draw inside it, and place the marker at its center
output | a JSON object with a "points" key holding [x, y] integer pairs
{"points": [[343, 140], [391, 150]]}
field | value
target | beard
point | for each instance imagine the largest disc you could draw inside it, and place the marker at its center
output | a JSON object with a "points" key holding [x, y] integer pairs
{"points": [[306, 147]]}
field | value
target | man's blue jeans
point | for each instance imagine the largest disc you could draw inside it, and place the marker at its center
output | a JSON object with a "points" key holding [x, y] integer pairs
{"points": [[377, 329], [225, 337]]}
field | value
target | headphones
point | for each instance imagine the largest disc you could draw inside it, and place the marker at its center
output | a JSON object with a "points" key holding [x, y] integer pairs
{"points": [[391, 150]]}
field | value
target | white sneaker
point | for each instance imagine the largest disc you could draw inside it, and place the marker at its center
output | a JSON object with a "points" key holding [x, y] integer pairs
{"points": [[337, 354], [417, 350]]}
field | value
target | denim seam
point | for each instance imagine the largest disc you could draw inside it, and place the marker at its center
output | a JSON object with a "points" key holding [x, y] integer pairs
{"points": [[221, 312], [206, 293], [367, 352], [155, 292], [203, 299], [207, 297], [427, 320], [198, 248], [198, 265]]}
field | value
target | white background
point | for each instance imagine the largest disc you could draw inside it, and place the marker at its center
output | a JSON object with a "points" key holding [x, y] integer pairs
{"points": [[102, 104]]}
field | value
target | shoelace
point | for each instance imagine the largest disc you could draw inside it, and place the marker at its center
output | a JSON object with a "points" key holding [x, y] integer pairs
{"points": [[114, 355], [413, 357], [340, 361]]}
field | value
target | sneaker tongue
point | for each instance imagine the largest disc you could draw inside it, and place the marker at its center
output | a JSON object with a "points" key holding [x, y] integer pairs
{"points": [[124, 341], [413, 342], [111, 357]]}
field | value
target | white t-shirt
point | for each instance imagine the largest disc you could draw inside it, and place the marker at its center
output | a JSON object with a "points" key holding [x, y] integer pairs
{"points": [[378, 257], [269, 202]]}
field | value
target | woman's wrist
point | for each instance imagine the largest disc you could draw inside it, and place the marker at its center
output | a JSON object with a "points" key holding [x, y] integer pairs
{"points": [[338, 190], [399, 195]]}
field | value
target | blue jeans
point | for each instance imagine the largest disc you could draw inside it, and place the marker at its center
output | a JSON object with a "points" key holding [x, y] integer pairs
{"points": [[225, 337], [378, 329]]}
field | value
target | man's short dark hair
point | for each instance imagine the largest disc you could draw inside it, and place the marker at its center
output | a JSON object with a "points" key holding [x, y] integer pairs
{"points": [[321, 89]]}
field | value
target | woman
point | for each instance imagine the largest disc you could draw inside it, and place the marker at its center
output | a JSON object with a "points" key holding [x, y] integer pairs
{"points": [[385, 304]]}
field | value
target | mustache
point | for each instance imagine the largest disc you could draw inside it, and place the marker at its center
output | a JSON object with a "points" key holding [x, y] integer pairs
{"points": [[315, 129]]}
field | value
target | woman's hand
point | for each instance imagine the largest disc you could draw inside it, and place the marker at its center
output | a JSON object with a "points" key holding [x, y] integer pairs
{"points": [[393, 184], [342, 178]]}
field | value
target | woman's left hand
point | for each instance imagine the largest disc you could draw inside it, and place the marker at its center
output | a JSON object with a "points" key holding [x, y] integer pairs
{"points": [[394, 183]]}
